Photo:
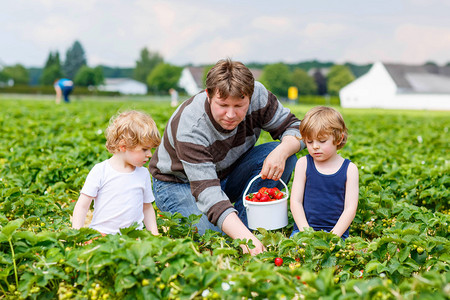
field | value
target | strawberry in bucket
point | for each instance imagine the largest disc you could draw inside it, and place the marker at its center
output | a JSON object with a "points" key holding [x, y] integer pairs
{"points": [[266, 208]]}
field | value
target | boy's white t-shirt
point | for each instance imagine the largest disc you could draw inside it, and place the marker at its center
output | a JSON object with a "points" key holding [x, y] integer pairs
{"points": [[120, 197]]}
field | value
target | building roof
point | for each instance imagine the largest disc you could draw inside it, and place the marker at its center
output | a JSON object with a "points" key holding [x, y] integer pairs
{"points": [[420, 79], [197, 74], [256, 73]]}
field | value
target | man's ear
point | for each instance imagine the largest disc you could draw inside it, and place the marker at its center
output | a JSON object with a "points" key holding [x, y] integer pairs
{"points": [[207, 95]]}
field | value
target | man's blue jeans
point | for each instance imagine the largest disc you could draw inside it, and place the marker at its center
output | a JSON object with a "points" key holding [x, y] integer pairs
{"points": [[177, 197], [66, 92]]}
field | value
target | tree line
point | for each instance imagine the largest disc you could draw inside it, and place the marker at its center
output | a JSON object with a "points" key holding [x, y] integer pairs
{"points": [[310, 78]]}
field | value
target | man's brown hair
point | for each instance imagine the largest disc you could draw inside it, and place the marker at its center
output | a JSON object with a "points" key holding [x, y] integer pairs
{"points": [[230, 78]]}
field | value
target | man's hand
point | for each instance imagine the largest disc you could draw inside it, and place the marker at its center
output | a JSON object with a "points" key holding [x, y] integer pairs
{"points": [[275, 162], [259, 248], [235, 229]]}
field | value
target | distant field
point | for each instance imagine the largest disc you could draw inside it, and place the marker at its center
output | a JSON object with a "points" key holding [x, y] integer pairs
{"points": [[398, 247]]}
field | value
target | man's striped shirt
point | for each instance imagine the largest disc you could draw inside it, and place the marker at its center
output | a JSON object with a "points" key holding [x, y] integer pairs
{"points": [[196, 149]]}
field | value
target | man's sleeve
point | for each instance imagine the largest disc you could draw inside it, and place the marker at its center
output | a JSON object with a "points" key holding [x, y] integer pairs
{"points": [[205, 185]]}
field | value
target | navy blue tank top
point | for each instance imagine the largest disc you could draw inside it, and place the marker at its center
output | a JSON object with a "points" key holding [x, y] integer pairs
{"points": [[324, 196]]}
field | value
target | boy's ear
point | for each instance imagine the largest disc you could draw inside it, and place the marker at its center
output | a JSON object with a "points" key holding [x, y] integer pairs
{"points": [[341, 139], [122, 146]]}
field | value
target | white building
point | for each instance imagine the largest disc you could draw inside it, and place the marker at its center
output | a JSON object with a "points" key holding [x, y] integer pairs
{"points": [[396, 86], [126, 86], [191, 80]]}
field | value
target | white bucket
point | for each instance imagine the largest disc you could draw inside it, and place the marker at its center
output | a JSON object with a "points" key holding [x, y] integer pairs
{"points": [[268, 215]]}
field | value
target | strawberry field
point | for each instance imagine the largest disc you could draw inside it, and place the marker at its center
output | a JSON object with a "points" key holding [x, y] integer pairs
{"points": [[399, 246]]}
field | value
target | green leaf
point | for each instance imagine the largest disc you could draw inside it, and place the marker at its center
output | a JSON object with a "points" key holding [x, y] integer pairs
{"points": [[286, 244], [209, 278], [4, 273], [393, 265], [382, 267], [47, 236], [12, 192], [225, 251], [404, 254], [11, 227], [419, 258], [124, 283], [3, 237], [320, 244], [262, 230], [384, 212], [26, 235], [392, 249], [5, 259], [372, 265], [167, 273]]}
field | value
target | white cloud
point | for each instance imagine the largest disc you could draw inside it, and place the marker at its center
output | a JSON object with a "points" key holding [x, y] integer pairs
{"points": [[427, 3], [407, 43], [176, 29], [219, 48], [272, 24], [114, 31], [423, 43], [53, 30], [323, 30]]}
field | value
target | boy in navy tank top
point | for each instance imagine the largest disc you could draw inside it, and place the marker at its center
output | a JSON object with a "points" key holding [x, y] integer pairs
{"points": [[325, 189]]}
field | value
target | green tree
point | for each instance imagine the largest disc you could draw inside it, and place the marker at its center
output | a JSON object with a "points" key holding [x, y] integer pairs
{"points": [[338, 77], [87, 76], [206, 69], [145, 65], [18, 73], [3, 77], [163, 77], [321, 82], [277, 79], [75, 59], [304, 83], [52, 69], [52, 59]]}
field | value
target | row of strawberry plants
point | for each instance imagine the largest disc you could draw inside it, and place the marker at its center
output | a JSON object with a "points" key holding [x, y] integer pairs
{"points": [[139, 265], [399, 240]]}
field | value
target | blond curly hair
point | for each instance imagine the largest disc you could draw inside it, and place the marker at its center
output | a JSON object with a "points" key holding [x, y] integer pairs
{"points": [[131, 129]]}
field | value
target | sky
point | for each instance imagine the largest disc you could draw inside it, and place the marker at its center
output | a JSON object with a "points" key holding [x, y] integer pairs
{"points": [[113, 32]]}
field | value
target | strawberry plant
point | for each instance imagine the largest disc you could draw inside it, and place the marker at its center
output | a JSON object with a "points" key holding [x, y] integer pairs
{"points": [[398, 246]]}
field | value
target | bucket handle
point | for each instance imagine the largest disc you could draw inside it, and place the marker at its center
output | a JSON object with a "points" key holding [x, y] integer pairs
{"points": [[250, 183]]}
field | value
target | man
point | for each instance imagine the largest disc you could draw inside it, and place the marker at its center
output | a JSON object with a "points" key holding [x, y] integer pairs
{"points": [[63, 87], [208, 153]]}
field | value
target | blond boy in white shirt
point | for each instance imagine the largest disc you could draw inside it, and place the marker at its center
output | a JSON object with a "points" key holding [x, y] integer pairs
{"points": [[121, 186]]}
